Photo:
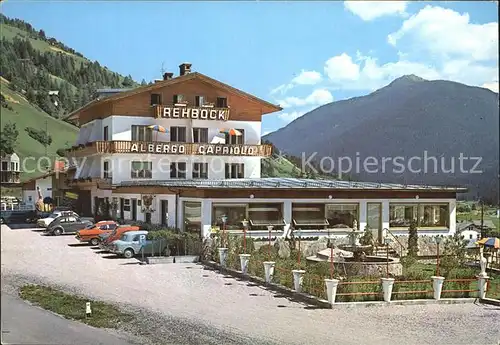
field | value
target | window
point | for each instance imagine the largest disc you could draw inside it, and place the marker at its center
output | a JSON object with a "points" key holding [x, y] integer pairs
{"points": [[141, 170], [126, 205], [155, 99], [200, 170], [236, 139], [470, 237], [5, 166], [199, 101], [342, 215], [235, 170], [305, 215], [200, 135], [106, 133], [178, 98], [30, 198], [178, 134], [178, 170], [426, 215], [112, 226], [192, 216], [142, 133], [234, 213], [12, 166], [221, 102], [264, 214], [106, 173]]}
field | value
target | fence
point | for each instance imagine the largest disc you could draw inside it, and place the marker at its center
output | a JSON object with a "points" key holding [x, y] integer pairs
{"points": [[301, 277]]}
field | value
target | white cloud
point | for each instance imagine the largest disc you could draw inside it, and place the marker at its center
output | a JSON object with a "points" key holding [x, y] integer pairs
{"points": [[341, 67], [317, 97], [492, 86], [370, 10], [304, 78], [447, 34]]}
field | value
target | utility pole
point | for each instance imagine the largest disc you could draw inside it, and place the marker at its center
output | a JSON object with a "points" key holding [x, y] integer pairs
{"points": [[483, 235]]}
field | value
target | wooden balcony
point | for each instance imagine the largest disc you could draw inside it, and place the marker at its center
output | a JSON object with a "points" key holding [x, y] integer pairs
{"points": [[170, 148], [9, 178]]}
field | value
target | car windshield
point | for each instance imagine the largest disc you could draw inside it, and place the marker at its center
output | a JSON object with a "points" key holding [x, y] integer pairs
{"points": [[89, 226], [54, 215], [124, 237]]}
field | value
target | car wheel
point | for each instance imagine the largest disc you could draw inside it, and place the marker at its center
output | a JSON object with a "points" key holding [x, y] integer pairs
{"points": [[57, 231], [94, 241], [128, 253]]}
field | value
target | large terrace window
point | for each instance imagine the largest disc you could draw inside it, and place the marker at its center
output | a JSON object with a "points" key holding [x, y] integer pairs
{"points": [[342, 215], [235, 213], [192, 216], [425, 215], [308, 216], [264, 214], [141, 170], [141, 133]]}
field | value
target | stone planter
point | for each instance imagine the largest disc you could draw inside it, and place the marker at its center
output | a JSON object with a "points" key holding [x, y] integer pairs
{"points": [[269, 270], [331, 289], [437, 285], [244, 259], [387, 285], [298, 279], [223, 256]]}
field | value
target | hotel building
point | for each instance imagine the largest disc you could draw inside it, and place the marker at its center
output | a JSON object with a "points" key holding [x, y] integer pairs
{"points": [[207, 164]]}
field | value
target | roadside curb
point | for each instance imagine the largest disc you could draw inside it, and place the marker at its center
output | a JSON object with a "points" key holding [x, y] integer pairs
{"points": [[490, 301], [298, 296]]}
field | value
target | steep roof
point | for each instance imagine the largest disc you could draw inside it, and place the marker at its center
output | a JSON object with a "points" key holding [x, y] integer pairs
{"points": [[270, 108]]}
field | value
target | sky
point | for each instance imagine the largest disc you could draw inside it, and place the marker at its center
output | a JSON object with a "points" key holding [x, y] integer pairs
{"points": [[299, 55]]}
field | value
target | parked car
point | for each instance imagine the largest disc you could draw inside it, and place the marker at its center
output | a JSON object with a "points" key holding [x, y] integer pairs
{"points": [[130, 244], [91, 234], [67, 224], [44, 222], [106, 239], [16, 216]]}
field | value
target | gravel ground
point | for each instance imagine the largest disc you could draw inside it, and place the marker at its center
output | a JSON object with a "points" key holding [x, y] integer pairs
{"points": [[186, 304]]}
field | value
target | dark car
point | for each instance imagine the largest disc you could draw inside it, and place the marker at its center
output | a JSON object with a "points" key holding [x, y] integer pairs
{"points": [[67, 225], [16, 216]]}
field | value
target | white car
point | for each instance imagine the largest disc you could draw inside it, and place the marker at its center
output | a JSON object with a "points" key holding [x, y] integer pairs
{"points": [[44, 222]]}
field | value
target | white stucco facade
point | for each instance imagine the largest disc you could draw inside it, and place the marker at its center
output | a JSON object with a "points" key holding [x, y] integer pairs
{"points": [[45, 185]]}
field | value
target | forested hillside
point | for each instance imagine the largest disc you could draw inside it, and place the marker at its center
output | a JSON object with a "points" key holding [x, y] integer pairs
{"points": [[49, 74]]}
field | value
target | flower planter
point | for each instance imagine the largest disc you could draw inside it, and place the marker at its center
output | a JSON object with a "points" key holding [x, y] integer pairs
{"points": [[298, 279], [223, 256], [269, 270], [331, 289], [437, 285], [244, 259]]}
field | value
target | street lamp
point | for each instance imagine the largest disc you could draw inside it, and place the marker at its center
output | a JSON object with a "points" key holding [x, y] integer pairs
{"points": [[439, 239], [270, 228], [224, 221], [245, 228], [387, 241]]}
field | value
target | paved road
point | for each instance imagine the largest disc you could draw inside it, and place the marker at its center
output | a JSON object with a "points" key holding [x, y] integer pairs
{"points": [[203, 307], [23, 323]]}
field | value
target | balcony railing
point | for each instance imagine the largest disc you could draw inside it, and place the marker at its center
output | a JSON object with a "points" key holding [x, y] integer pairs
{"points": [[174, 148], [102, 183]]}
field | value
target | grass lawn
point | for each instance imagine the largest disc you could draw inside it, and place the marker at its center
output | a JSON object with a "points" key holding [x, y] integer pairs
{"points": [[74, 307], [25, 115]]}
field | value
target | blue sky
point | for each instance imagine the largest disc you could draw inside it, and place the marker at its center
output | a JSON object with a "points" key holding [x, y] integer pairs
{"points": [[296, 54]]}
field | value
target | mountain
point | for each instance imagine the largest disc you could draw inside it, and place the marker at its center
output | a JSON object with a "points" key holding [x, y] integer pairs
{"points": [[410, 117], [42, 79]]}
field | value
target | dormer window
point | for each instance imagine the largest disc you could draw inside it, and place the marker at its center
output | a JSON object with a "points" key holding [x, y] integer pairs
{"points": [[221, 102], [155, 99]]}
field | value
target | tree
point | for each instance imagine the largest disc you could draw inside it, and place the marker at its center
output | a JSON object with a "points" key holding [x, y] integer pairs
{"points": [[413, 239], [8, 139], [128, 81], [143, 82], [41, 33]]}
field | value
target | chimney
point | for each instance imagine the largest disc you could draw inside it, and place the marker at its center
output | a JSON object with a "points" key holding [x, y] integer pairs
{"points": [[167, 76], [185, 68]]}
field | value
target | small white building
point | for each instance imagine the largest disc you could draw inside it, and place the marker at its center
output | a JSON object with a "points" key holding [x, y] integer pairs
{"points": [[10, 169]]}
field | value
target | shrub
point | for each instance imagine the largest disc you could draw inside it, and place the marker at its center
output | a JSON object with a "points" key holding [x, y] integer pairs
{"points": [[39, 135], [367, 238], [413, 239]]}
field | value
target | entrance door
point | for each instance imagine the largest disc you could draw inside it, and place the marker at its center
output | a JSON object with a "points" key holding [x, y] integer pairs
{"points": [[122, 208], [374, 220], [148, 217], [164, 212], [134, 209]]}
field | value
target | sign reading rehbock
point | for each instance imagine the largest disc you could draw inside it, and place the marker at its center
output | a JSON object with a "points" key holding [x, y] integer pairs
{"points": [[195, 149], [194, 113]]}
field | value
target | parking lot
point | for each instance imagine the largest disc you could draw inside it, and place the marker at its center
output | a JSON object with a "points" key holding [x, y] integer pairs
{"points": [[191, 292]]}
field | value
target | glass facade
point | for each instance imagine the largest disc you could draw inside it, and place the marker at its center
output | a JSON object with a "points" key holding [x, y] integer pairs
{"points": [[264, 214], [235, 213], [426, 215], [342, 215], [192, 216]]}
